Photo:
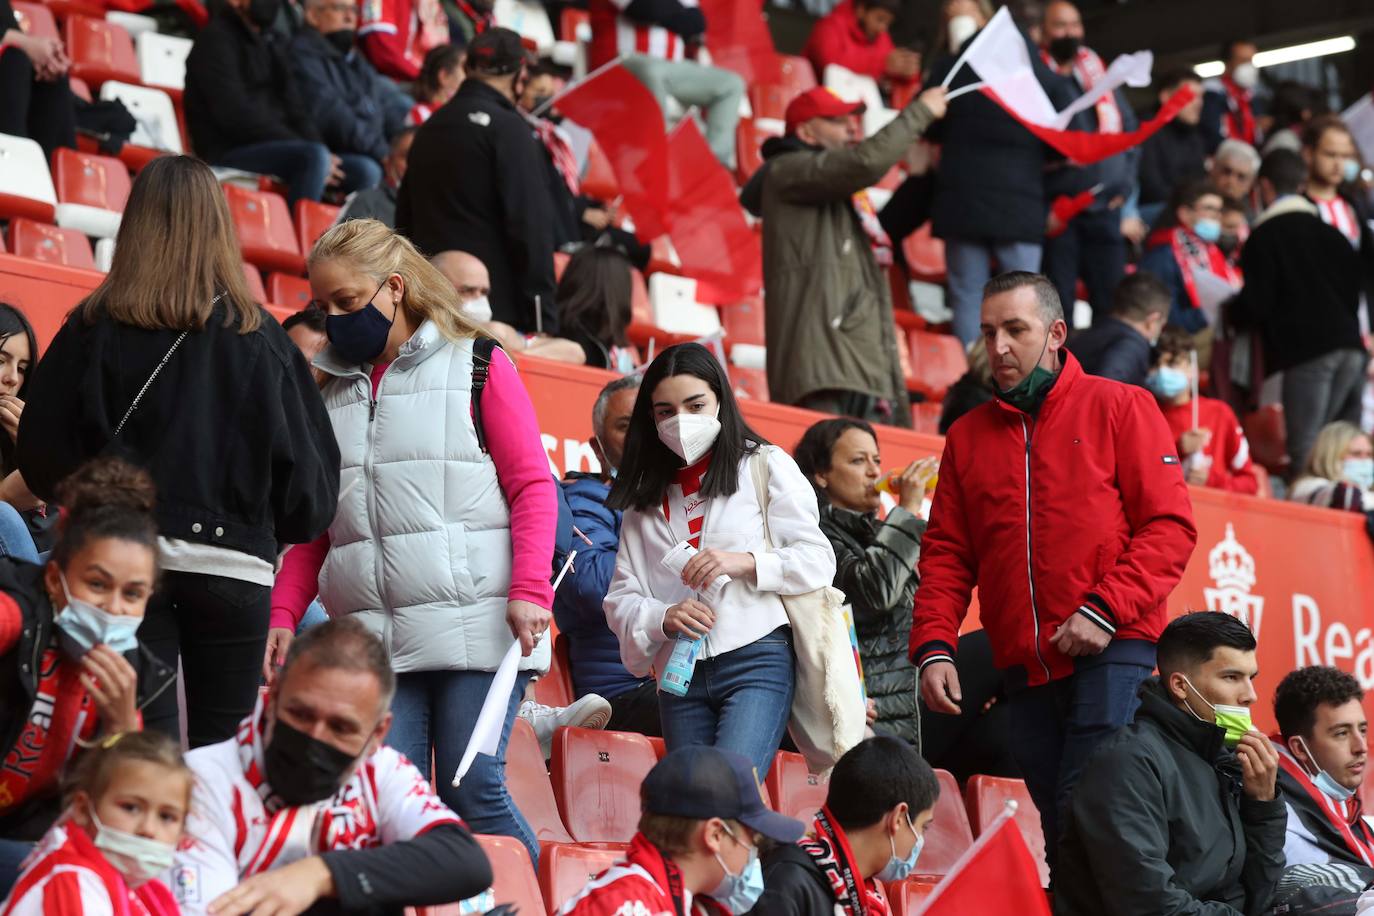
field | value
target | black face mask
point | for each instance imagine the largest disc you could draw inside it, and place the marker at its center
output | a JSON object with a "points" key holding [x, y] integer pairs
{"points": [[300, 769], [1228, 242], [1064, 49], [262, 13], [342, 39], [538, 101]]}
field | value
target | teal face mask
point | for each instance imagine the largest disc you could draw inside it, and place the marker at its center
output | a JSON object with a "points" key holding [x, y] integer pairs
{"points": [[1027, 394]]}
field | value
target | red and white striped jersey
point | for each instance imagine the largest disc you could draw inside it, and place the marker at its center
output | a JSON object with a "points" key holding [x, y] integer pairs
{"points": [[67, 876], [614, 34], [238, 827], [1338, 213]]}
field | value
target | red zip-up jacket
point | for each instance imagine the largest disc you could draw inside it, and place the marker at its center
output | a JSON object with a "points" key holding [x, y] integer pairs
{"points": [[1081, 509]]}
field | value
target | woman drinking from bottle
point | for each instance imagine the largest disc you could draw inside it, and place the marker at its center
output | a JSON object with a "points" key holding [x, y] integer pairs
{"points": [[696, 596]]}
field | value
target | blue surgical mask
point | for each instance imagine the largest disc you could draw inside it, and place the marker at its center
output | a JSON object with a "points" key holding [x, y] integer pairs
{"points": [[1350, 170], [81, 626], [1323, 780], [739, 893], [359, 337], [1359, 471], [1166, 382], [1209, 230], [897, 869]]}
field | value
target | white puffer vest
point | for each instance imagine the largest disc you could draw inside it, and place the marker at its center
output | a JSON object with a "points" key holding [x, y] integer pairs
{"points": [[420, 548]]}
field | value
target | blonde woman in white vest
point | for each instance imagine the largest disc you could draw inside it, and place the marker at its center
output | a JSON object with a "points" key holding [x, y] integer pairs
{"points": [[441, 544]]}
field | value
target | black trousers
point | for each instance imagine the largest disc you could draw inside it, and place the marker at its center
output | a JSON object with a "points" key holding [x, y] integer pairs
{"points": [[1092, 248], [41, 110], [218, 626], [636, 711]]}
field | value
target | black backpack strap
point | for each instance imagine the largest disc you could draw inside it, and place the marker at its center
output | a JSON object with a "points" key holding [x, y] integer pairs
{"points": [[482, 349]]}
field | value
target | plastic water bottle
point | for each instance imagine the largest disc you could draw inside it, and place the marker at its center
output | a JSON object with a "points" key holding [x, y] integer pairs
{"points": [[677, 674]]}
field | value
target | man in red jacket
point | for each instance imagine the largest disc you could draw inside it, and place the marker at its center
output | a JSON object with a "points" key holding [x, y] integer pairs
{"points": [[855, 36], [1063, 502]]}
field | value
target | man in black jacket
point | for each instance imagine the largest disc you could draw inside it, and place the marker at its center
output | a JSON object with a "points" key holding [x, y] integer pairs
{"points": [[355, 109], [1177, 152], [1293, 258], [1119, 347], [242, 105], [1178, 812], [881, 800], [475, 182]]}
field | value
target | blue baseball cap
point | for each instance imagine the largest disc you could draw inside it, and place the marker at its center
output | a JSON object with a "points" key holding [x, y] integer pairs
{"points": [[705, 782]]}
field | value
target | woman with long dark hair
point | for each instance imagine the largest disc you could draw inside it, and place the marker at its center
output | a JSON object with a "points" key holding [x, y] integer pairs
{"points": [[687, 487], [22, 518], [594, 302], [170, 364]]}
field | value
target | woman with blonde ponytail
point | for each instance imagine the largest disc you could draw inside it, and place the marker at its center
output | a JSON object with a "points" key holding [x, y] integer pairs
{"points": [[444, 533]]}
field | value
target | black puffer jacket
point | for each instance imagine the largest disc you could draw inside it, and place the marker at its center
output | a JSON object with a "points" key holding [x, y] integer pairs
{"points": [[1159, 824], [875, 567]]}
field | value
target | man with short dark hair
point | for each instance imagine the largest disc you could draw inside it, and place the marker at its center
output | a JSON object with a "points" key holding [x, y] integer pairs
{"points": [[1178, 813], [495, 206], [1323, 750], [1119, 348], [1177, 152], [308, 805], [855, 35], [880, 800], [1062, 501], [1230, 109]]}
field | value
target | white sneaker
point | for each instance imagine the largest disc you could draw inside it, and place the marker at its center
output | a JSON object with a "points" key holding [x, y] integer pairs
{"points": [[591, 711]]}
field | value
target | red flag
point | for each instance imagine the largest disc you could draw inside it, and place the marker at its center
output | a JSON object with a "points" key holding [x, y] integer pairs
{"points": [[628, 124], [996, 875], [739, 40], [714, 242], [1085, 148], [1065, 208]]}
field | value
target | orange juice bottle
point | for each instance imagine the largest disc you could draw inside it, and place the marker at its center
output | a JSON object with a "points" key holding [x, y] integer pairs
{"points": [[884, 484]]}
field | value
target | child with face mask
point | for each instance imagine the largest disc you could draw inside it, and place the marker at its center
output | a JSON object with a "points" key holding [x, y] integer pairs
{"points": [[128, 804], [1211, 443], [696, 851], [695, 598]]}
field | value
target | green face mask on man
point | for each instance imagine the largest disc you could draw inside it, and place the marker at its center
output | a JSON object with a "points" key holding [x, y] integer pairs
{"points": [[1027, 394]]}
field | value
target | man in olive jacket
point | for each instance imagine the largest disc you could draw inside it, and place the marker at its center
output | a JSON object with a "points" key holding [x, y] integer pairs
{"points": [[831, 342]]}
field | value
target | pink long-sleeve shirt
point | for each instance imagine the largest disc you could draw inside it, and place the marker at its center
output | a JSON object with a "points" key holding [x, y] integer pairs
{"points": [[523, 471]]}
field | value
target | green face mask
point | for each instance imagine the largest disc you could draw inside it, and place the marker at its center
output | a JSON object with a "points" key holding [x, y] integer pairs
{"points": [[1027, 394], [1234, 719]]}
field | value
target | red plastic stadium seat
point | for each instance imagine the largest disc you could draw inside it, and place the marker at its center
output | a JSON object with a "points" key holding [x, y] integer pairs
{"points": [[596, 777], [937, 361], [36, 19], [313, 219], [555, 688], [985, 797], [92, 181], [516, 883], [254, 279], [906, 897], [264, 228], [101, 51], [925, 255], [795, 790], [65, 8], [1268, 437], [949, 835], [1266, 487], [565, 869], [660, 747], [640, 308], [743, 322], [749, 384], [80, 90], [43, 242], [560, 264], [925, 417], [292, 292], [770, 100], [599, 180], [748, 150], [527, 779], [569, 21]]}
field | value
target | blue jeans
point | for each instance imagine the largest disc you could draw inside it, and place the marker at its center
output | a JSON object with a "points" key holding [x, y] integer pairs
{"points": [[302, 164], [968, 267], [1056, 726], [15, 539], [360, 172], [438, 710], [12, 853], [739, 701]]}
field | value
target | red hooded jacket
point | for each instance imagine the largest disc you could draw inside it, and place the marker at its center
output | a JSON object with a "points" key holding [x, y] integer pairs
{"points": [[1081, 508]]}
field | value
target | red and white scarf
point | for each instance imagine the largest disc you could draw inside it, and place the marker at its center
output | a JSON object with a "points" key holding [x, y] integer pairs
{"points": [[1239, 120], [692, 506], [1192, 253], [560, 151], [1346, 817], [830, 851], [1088, 70], [480, 21], [1338, 214], [878, 239]]}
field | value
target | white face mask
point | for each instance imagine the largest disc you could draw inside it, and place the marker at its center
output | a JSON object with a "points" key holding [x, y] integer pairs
{"points": [[1246, 76], [690, 435], [961, 29], [479, 309], [138, 859]]}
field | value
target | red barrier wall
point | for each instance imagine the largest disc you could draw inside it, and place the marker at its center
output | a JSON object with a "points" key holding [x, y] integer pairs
{"points": [[1302, 578]]}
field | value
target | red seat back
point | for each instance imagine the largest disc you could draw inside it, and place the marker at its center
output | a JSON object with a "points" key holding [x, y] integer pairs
{"points": [[90, 180], [555, 688], [255, 287], [42, 242], [949, 835], [937, 361], [266, 235], [560, 264], [925, 417], [290, 291], [565, 869], [36, 19], [795, 790], [743, 322], [640, 308], [569, 20], [313, 219], [101, 51], [527, 780], [749, 384], [906, 897], [770, 100], [925, 255], [516, 882], [986, 796], [596, 777], [1268, 437]]}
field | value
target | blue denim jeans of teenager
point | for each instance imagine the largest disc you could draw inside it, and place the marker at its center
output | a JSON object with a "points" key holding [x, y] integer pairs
{"points": [[302, 164], [12, 854], [438, 710], [15, 540], [968, 266], [360, 172], [739, 701], [1056, 726]]}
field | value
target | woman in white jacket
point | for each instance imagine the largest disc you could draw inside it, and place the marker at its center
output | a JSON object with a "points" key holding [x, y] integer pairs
{"points": [[686, 478]]}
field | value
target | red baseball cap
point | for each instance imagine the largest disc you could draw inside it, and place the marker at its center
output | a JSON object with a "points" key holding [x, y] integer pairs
{"points": [[818, 103]]}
